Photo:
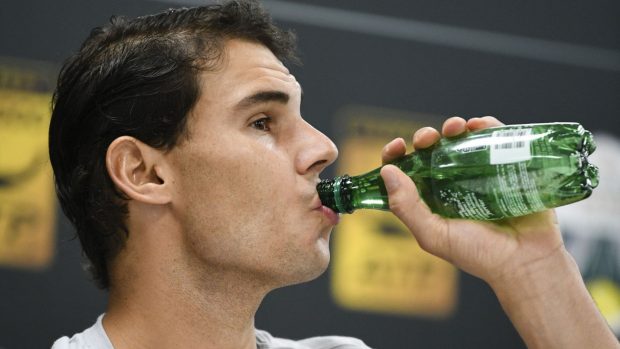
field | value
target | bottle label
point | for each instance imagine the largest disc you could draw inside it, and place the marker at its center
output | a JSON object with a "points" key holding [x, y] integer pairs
{"points": [[466, 204], [516, 193], [510, 146]]}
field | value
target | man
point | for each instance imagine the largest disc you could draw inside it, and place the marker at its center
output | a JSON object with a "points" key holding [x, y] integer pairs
{"points": [[181, 157]]}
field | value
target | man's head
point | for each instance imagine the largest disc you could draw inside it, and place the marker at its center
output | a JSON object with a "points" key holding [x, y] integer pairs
{"points": [[139, 78]]}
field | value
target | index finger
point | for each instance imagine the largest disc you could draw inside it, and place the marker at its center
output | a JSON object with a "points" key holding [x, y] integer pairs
{"points": [[425, 137], [393, 150]]}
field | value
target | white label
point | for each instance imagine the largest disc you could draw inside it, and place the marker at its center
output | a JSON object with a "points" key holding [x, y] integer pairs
{"points": [[516, 193], [509, 146]]}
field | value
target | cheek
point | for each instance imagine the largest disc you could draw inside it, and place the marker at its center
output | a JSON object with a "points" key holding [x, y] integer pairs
{"points": [[242, 200], [255, 186], [235, 177], [248, 215]]}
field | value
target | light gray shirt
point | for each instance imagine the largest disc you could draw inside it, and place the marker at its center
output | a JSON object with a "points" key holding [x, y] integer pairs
{"points": [[96, 338]]}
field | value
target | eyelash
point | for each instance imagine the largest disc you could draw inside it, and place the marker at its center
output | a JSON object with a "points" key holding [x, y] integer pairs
{"points": [[265, 121]]}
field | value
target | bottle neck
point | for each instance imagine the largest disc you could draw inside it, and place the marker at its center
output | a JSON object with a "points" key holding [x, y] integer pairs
{"points": [[336, 194]]}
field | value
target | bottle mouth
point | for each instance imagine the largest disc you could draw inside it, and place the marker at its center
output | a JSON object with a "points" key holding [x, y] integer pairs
{"points": [[325, 188], [336, 194]]}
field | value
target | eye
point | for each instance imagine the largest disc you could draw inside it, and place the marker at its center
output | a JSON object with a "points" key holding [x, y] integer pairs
{"points": [[262, 124]]}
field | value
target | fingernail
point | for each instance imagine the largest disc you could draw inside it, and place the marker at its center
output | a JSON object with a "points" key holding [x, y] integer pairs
{"points": [[386, 148], [421, 131], [390, 179]]}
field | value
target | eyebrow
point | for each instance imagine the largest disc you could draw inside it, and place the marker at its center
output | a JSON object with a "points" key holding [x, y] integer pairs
{"points": [[263, 97]]}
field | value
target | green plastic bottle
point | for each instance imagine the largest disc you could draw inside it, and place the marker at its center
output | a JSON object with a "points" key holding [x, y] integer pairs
{"points": [[488, 174]]}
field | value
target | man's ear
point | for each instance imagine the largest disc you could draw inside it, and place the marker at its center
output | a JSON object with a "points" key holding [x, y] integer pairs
{"points": [[138, 170]]}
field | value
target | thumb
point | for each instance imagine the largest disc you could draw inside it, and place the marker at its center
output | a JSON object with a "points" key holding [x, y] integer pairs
{"points": [[406, 204]]}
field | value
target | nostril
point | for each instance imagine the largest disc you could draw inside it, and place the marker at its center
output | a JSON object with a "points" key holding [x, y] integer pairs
{"points": [[317, 165]]}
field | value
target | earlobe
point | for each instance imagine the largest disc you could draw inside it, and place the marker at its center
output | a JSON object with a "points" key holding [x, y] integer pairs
{"points": [[134, 167]]}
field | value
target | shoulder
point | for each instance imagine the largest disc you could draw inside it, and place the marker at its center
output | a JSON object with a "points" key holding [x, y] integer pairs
{"points": [[334, 342], [92, 338], [69, 343], [266, 341], [77, 341]]}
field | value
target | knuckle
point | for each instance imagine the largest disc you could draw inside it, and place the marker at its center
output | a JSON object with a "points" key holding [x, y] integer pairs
{"points": [[399, 205], [429, 243], [423, 243], [396, 204]]}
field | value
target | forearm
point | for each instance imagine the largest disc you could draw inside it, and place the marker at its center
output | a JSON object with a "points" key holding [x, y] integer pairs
{"points": [[550, 307]]}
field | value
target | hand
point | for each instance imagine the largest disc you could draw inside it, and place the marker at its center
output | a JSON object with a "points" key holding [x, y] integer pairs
{"points": [[495, 251], [523, 259]]}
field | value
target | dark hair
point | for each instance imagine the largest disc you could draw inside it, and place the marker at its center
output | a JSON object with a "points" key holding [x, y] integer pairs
{"points": [[136, 77]]}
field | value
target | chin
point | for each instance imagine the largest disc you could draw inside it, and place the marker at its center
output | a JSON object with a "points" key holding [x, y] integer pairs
{"points": [[320, 264], [309, 269]]}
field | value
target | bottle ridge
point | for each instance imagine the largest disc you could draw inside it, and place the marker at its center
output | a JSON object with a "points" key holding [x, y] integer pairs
{"points": [[488, 174]]}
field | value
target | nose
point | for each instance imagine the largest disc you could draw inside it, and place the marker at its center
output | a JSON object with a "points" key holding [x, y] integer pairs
{"points": [[316, 151]]}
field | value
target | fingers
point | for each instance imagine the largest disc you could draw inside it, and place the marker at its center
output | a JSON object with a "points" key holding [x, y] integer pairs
{"points": [[483, 122], [454, 126], [393, 150], [425, 137]]}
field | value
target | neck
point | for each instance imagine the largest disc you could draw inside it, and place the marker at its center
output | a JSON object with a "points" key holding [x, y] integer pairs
{"points": [[165, 300], [181, 319]]}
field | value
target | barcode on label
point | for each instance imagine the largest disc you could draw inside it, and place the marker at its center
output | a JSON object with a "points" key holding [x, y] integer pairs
{"points": [[510, 146]]}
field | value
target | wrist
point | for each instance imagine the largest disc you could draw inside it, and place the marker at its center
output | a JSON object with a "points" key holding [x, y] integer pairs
{"points": [[537, 280], [550, 307]]}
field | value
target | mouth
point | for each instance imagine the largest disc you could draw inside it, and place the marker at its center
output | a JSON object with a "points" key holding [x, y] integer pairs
{"points": [[332, 217]]}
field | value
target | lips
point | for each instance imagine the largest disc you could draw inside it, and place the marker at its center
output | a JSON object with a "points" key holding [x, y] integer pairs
{"points": [[332, 216]]}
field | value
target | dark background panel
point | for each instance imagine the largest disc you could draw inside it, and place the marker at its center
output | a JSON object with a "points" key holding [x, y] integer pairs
{"points": [[343, 68], [592, 23]]}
